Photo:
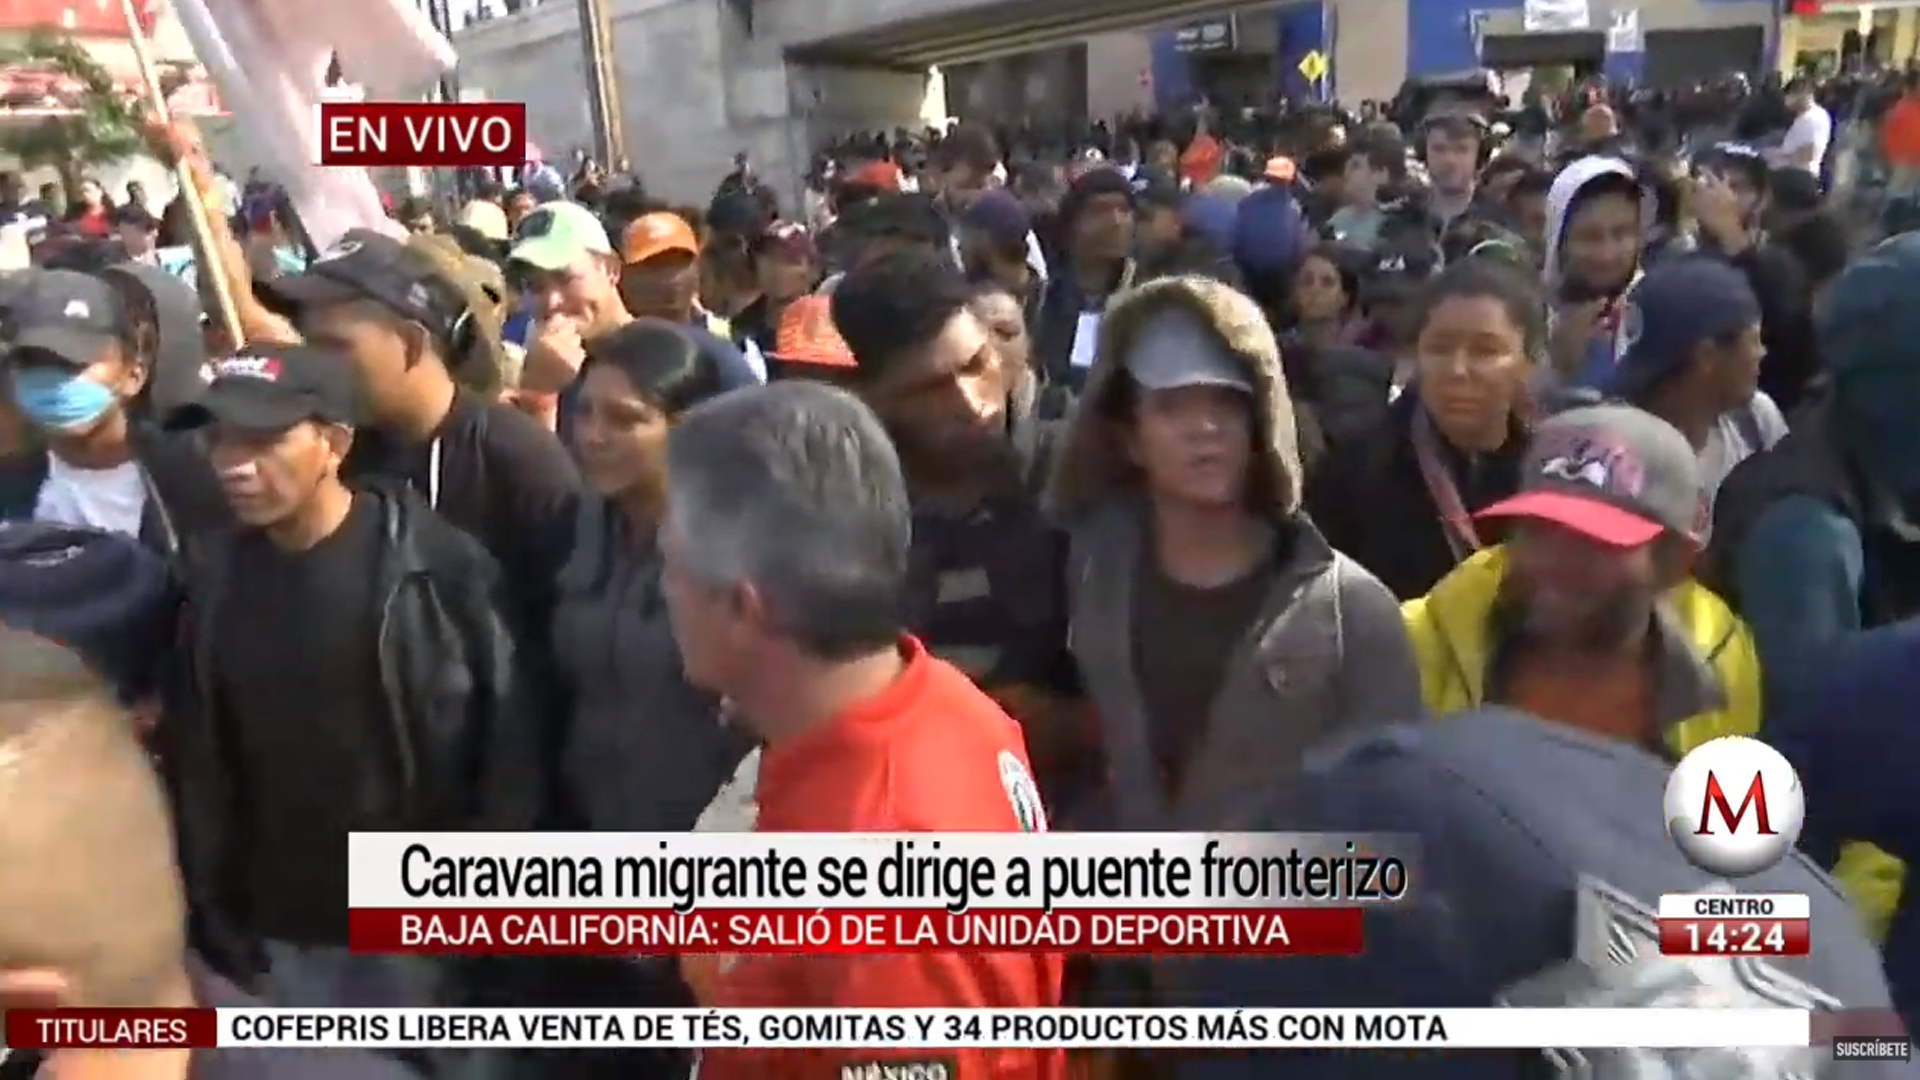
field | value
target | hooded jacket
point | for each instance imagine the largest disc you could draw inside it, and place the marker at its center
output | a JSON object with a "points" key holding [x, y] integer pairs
{"points": [[1327, 650], [1597, 360]]}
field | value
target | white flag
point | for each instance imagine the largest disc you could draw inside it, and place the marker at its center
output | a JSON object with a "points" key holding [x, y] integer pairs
{"points": [[270, 59]]}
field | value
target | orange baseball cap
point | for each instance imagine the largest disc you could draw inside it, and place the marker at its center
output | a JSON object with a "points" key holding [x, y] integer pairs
{"points": [[1281, 170], [656, 234], [806, 335], [881, 175]]}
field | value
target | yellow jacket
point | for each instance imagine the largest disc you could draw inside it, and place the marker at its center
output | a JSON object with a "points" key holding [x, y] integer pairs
{"points": [[1450, 640]]}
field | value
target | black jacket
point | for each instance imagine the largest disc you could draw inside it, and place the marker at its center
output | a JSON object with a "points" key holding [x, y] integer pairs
{"points": [[464, 722], [1785, 293], [1371, 502], [1061, 304]]}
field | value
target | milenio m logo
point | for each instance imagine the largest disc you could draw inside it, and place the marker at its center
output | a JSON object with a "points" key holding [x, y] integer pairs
{"points": [[1734, 806]]}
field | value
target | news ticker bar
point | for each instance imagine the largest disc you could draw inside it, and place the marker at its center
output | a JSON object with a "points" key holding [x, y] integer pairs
{"points": [[1314, 931], [923, 1029], [807, 871]]}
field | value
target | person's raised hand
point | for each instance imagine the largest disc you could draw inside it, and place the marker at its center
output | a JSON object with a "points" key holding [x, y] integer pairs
{"points": [[555, 353]]}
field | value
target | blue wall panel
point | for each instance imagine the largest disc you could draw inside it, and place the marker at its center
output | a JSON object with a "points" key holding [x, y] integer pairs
{"points": [[1300, 30], [1440, 34], [1172, 74], [1303, 29]]}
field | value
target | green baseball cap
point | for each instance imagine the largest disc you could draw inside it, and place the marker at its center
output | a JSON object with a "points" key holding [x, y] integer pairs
{"points": [[555, 235]]}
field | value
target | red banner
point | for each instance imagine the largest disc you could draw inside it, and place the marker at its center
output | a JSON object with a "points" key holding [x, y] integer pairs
{"points": [[93, 18]]}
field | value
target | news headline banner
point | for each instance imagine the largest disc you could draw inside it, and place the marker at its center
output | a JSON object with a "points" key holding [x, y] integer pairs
{"points": [[847, 894], [853, 1030], [957, 872]]}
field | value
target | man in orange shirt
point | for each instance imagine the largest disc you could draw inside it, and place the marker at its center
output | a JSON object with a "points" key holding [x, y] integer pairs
{"points": [[785, 565], [1900, 138]]}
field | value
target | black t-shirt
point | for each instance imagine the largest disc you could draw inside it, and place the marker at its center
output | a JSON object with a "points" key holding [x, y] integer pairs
{"points": [[296, 668]]}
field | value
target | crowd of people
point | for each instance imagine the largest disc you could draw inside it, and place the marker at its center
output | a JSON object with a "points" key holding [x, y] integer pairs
{"points": [[1401, 474]]}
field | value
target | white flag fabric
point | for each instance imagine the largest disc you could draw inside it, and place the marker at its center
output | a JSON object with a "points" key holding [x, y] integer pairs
{"points": [[1555, 16], [270, 60]]}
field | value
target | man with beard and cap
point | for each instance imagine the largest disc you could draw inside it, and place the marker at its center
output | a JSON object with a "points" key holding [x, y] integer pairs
{"points": [[1813, 540], [82, 365], [1097, 222], [985, 588], [1586, 615], [1204, 603], [1530, 894]]}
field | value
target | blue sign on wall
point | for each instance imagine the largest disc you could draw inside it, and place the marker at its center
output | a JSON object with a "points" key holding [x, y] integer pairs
{"points": [[1206, 35], [1300, 28], [1440, 35]]}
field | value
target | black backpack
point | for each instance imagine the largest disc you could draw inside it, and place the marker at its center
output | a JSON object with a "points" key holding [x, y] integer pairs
{"points": [[106, 595]]}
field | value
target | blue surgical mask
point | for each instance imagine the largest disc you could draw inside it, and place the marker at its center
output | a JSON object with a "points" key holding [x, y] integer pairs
{"points": [[60, 399]]}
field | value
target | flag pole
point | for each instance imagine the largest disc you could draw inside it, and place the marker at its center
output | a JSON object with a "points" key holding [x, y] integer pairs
{"points": [[213, 261]]}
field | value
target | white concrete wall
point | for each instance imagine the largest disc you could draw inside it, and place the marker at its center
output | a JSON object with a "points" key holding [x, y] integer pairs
{"points": [[694, 91], [1119, 70], [1369, 48]]}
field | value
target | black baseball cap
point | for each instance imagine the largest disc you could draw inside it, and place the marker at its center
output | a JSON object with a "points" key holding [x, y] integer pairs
{"points": [[369, 265], [66, 314], [272, 388]]}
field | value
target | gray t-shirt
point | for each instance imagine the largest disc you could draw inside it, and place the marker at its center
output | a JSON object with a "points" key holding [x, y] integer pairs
{"points": [[1739, 435], [1352, 225]]}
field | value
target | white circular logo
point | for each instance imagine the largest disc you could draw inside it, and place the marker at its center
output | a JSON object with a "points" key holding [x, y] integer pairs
{"points": [[1734, 806], [1022, 794]]}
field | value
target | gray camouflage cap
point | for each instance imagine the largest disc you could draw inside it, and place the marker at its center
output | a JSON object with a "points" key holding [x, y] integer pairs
{"points": [[1616, 474]]}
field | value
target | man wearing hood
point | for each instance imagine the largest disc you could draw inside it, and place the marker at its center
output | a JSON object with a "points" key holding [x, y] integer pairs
{"points": [[1814, 539], [1216, 632], [91, 356], [1595, 238]]}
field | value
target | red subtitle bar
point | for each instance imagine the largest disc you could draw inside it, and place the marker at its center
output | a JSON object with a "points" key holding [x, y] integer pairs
{"points": [[111, 1029], [583, 932]]}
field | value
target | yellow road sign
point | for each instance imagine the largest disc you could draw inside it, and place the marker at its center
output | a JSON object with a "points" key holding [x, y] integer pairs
{"points": [[1314, 66]]}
